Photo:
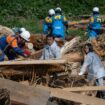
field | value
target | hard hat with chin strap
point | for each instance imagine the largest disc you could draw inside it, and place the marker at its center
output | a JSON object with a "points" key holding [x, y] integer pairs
{"points": [[95, 9], [58, 9], [51, 12], [22, 29], [25, 35]]}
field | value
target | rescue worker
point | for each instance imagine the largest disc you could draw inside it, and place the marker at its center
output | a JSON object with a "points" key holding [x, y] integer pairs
{"points": [[12, 46], [51, 49], [59, 24], [48, 21], [93, 65], [94, 27]]}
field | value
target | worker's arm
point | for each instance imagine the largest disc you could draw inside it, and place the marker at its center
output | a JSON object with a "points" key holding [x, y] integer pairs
{"points": [[1, 55], [87, 62], [65, 21], [13, 43], [45, 28]]}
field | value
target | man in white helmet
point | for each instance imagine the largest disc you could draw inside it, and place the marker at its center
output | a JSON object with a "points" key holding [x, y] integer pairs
{"points": [[94, 27], [48, 22], [59, 24], [94, 30], [12, 46]]}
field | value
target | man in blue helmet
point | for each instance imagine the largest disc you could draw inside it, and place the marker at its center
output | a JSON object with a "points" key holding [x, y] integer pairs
{"points": [[59, 24]]}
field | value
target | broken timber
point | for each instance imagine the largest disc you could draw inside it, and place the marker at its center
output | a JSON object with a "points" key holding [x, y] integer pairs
{"points": [[32, 62], [88, 100], [25, 94], [39, 96], [85, 88]]}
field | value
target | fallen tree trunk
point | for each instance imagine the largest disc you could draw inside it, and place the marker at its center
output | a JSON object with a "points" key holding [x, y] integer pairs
{"points": [[70, 45], [88, 100], [85, 88], [4, 97], [32, 62], [73, 57], [25, 94], [5, 30]]}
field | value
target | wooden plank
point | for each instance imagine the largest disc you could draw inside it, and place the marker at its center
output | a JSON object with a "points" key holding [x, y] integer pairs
{"points": [[25, 94], [88, 100], [86, 88], [32, 62], [16, 103]]}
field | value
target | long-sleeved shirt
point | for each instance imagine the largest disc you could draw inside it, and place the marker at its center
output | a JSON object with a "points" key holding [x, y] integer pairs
{"points": [[10, 41], [94, 65], [1, 55], [50, 52], [94, 25], [58, 25]]}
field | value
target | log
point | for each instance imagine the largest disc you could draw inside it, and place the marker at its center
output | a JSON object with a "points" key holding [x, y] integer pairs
{"points": [[32, 62], [70, 45], [88, 100], [5, 30], [86, 88], [25, 94], [73, 57], [4, 97], [78, 22], [26, 70]]}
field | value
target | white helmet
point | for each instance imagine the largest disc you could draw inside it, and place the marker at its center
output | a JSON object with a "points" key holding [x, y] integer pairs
{"points": [[58, 9], [25, 35], [22, 29], [95, 9], [51, 12]]}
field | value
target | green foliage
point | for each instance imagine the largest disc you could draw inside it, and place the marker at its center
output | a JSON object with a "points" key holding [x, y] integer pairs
{"points": [[27, 13], [79, 32]]}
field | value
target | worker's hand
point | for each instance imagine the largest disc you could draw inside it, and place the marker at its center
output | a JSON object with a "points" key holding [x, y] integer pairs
{"points": [[67, 32], [25, 55], [80, 74], [85, 34]]}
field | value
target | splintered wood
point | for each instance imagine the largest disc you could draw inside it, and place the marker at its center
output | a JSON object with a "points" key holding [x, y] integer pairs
{"points": [[4, 97], [25, 94]]}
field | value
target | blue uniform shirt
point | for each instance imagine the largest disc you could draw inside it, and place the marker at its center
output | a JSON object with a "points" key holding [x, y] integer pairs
{"points": [[58, 25], [95, 24], [47, 24]]}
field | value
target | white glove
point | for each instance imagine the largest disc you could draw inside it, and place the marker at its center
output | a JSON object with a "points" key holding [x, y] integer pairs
{"points": [[81, 73]]}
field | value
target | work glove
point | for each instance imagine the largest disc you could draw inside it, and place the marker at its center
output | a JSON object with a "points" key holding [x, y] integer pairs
{"points": [[80, 74], [67, 32], [85, 34], [25, 55]]}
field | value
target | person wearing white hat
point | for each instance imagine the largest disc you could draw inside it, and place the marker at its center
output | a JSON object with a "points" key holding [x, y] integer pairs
{"points": [[48, 21], [59, 24], [94, 27], [12, 46]]}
